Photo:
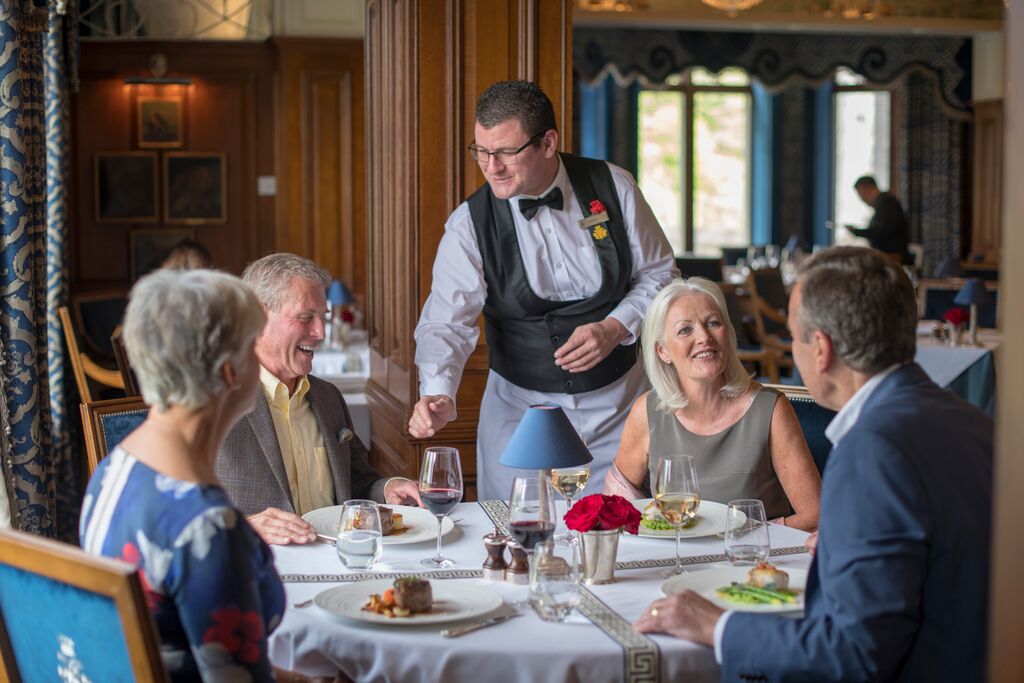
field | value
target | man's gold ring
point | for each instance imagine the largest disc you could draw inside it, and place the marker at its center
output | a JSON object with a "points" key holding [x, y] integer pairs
{"points": [[654, 611]]}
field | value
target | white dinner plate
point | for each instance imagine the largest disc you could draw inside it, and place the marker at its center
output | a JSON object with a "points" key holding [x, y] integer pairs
{"points": [[454, 600], [706, 581], [710, 521], [421, 524]]}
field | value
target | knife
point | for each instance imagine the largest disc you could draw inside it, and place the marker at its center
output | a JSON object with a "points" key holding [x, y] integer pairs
{"points": [[469, 628]]}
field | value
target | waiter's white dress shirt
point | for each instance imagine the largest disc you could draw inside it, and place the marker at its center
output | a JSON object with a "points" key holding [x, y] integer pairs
{"points": [[561, 264]]}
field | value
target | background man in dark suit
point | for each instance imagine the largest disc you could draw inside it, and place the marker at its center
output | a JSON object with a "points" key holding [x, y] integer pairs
{"points": [[898, 588], [888, 230], [296, 451]]}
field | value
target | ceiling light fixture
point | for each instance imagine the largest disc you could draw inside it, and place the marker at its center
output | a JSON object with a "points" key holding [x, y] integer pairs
{"points": [[732, 6]]}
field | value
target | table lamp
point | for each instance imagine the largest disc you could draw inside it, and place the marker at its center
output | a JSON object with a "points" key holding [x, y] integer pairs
{"points": [[972, 294], [338, 296], [545, 440]]}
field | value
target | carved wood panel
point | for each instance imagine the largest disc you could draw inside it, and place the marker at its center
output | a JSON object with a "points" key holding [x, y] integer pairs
{"points": [[987, 196]]}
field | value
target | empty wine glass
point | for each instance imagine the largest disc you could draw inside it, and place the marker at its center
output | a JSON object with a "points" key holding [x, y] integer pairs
{"points": [[746, 532], [359, 542], [677, 495], [440, 490], [569, 482], [531, 511]]}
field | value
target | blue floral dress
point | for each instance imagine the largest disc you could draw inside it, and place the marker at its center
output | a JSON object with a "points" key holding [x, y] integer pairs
{"points": [[209, 579]]}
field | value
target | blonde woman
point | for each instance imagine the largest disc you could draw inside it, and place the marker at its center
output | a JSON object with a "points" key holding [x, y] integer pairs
{"points": [[745, 438]]}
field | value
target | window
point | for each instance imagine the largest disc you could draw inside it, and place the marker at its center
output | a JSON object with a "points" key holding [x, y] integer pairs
{"points": [[693, 165], [862, 140]]}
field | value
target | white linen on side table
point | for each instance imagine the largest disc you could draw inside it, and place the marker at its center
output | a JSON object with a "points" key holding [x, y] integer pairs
{"points": [[524, 648]]}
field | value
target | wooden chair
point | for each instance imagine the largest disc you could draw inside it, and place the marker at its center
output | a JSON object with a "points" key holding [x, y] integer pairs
{"points": [[83, 366], [813, 421], [106, 423], [698, 266], [749, 349], [67, 615], [123, 366], [96, 315]]}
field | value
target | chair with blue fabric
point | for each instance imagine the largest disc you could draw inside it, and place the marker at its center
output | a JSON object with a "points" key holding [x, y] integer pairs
{"points": [[813, 419], [700, 266], [66, 615], [935, 297], [106, 423]]}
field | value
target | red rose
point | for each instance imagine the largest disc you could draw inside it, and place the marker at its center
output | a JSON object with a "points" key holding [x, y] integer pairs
{"points": [[617, 512], [583, 515], [347, 316], [956, 316], [596, 206]]}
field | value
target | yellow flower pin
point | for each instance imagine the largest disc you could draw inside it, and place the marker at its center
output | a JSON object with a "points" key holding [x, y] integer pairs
{"points": [[600, 232]]}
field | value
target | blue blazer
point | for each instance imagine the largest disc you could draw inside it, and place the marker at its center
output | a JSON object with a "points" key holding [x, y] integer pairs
{"points": [[898, 589]]}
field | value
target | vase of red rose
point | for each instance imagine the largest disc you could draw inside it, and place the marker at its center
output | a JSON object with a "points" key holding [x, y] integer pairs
{"points": [[599, 520]]}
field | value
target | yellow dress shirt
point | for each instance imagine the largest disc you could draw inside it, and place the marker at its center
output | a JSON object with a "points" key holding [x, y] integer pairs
{"points": [[302, 444]]}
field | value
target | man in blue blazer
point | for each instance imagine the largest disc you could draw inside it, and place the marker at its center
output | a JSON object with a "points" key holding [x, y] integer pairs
{"points": [[898, 588]]}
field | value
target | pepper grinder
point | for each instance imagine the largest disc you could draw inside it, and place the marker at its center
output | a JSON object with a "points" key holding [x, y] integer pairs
{"points": [[495, 564], [518, 571]]}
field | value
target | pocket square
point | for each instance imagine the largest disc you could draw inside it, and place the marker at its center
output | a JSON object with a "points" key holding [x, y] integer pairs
{"points": [[345, 434]]}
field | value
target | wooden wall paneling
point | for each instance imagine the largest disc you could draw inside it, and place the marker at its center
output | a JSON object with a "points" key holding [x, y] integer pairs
{"points": [[228, 108], [321, 212], [418, 172], [987, 195]]}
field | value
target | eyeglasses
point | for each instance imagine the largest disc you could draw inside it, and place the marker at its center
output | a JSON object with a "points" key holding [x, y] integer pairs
{"points": [[505, 157]]}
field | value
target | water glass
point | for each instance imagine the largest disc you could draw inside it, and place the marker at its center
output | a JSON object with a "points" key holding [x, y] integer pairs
{"points": [[746, 532], [554, 583], [360, 541]]}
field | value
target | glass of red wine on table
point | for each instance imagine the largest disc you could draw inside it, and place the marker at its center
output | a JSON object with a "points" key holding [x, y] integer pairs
{"points": [[440, 490], [531, 511]]}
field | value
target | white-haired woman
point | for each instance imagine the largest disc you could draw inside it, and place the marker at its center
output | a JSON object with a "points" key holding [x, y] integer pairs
{"points": [[155, 502], [745, 438]]}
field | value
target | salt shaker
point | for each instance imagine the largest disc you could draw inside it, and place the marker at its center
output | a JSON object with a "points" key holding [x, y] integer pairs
{"points": [[495, 564], [518, 571]]}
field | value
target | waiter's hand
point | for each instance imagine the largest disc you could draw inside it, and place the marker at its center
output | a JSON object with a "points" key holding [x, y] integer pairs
{"points": [[280, 527], [430, 414], [590, 344]]}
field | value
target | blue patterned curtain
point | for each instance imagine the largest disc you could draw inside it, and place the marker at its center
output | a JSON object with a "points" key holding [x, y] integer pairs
{"points": [[30, 463]]}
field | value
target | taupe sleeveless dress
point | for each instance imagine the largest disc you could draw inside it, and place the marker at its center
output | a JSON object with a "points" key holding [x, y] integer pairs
{"points": [[735, 463]]}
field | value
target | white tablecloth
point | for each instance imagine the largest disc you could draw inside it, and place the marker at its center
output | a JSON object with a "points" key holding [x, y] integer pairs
{"points": [[523, 649]]}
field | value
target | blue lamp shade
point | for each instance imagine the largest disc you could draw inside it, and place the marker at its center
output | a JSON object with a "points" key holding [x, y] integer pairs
{"points": [[338, 294], [948, 268], [973, 292], [545, 439]]}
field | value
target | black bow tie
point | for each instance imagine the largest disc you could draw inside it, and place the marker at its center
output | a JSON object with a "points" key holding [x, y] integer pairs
{"points": [[529, 207]]}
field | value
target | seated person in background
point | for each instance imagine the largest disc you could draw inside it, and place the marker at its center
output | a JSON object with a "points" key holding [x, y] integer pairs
{"points": [[188, 255], [155, 501], [296, 450], [898, 588], [745, 438]]}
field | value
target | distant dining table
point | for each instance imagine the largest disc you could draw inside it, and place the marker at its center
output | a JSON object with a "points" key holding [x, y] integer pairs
{"points": [[596, 644], [967, 371]]}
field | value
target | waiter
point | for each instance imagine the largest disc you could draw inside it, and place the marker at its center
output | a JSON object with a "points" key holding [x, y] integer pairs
{"points": [[562, 255], [888, 230]]}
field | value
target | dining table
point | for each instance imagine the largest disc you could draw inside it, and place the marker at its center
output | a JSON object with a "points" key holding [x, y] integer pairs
{"points": [[596, 643], [968, 371]]}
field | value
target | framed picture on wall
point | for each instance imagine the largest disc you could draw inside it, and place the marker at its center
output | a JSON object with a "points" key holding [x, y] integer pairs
{"points": [[125, 188], [150, 246], [195, 188], [159, 122]]}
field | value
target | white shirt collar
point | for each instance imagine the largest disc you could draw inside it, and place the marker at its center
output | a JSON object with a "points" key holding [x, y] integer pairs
{"points": [[849, 413]]}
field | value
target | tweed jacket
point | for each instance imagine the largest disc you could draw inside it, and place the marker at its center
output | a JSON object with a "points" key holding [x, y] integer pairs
{"points": [[251, 469]]}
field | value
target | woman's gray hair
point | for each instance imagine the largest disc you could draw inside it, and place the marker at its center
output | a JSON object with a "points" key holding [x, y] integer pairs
{"points": [[864, 302], [271, 276], [663, 376], [180, 328]]}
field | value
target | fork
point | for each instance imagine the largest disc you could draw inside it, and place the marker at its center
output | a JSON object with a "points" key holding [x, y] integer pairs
{"points": [[304, 603]]}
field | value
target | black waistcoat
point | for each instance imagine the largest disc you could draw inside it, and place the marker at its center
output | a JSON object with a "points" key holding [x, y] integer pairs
{"points": [[524, 330]]}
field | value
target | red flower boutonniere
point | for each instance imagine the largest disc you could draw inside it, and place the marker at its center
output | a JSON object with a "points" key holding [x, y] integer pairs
{"points": [[596, 206], [600, 232]]}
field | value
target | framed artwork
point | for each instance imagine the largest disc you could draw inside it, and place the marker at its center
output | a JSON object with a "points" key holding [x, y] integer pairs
{"points": [[195, 188], [150, 246], [125, 187], [159, 122]]}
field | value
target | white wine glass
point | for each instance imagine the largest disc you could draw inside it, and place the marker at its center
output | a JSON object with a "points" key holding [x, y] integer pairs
{"points": [[569, 481], [440, 490], [677, 494]]}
